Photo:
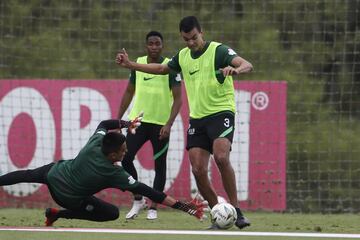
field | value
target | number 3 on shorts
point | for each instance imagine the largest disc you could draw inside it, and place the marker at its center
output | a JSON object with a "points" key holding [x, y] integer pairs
{"points": [[226, 122]]}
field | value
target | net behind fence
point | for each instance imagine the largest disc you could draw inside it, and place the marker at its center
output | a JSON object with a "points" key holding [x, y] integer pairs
{"points": [[313, 45]]}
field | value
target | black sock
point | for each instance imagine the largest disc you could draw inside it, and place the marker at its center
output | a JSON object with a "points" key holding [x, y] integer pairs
{"points": [[238, 212]]}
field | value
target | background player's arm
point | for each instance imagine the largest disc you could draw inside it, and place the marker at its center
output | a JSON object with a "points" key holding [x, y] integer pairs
{"points": [[126, 99], [176, 92]]}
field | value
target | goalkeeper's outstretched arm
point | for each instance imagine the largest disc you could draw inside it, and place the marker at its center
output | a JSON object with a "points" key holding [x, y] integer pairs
{"points": [[113, 124], [193, 208]]}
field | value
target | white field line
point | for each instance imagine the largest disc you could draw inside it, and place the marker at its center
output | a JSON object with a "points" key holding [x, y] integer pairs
{"points": [[183, 232]]}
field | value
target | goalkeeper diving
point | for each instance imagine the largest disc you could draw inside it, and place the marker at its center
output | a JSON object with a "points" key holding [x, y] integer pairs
{"points": [[73, 183]]}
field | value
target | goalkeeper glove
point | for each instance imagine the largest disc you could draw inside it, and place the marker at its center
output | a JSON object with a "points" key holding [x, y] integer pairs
{"points": [[194, 207], [135, 123]]}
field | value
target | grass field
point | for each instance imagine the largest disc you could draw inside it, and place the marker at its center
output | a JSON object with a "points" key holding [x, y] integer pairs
{"points": [[175, 220]]}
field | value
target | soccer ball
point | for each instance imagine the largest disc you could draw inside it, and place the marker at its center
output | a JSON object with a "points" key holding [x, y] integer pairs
{"points": [[223, 215], [221, 199]]}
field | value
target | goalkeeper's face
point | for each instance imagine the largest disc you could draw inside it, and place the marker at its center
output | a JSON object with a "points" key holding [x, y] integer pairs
{"points": [[119, 155]]}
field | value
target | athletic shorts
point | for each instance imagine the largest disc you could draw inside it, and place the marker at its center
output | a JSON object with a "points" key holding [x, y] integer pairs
{"points": [[202, 132]]}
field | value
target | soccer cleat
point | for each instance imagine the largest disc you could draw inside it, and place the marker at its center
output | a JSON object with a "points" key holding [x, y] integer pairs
{"points": [[242, 222], [152, 214], [51, 216], [136, 207]]}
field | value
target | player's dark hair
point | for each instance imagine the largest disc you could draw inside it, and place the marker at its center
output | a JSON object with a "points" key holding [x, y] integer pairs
{"points": [[153, 34], [189, 23], [112, 142]]}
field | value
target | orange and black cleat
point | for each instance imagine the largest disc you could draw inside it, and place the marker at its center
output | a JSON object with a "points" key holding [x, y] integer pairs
{"points": [[51, 216]]}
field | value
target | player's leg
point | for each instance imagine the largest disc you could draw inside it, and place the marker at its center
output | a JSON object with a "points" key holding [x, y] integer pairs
{"points": [[134, 142], [37, 175], [91, 208], [221, 152], [160, 154], [199, 147], [160, 149], [199, 159], [221, 129]]}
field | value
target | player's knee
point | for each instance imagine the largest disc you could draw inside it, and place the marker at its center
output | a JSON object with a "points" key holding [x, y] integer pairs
{"points": [[222, 160], [199, 171]]}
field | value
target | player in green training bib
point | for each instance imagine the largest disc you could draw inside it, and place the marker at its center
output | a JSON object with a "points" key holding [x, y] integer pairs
{"points": [[207, 68], [159, 97], [73, 183]]}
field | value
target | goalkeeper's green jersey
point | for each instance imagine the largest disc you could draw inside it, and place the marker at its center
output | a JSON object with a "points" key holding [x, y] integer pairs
{"points": [[73, 180]]}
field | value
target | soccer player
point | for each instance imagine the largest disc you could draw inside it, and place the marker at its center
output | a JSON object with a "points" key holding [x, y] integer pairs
{"points": [[207, 68], [73, 183], [159, 96]]}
